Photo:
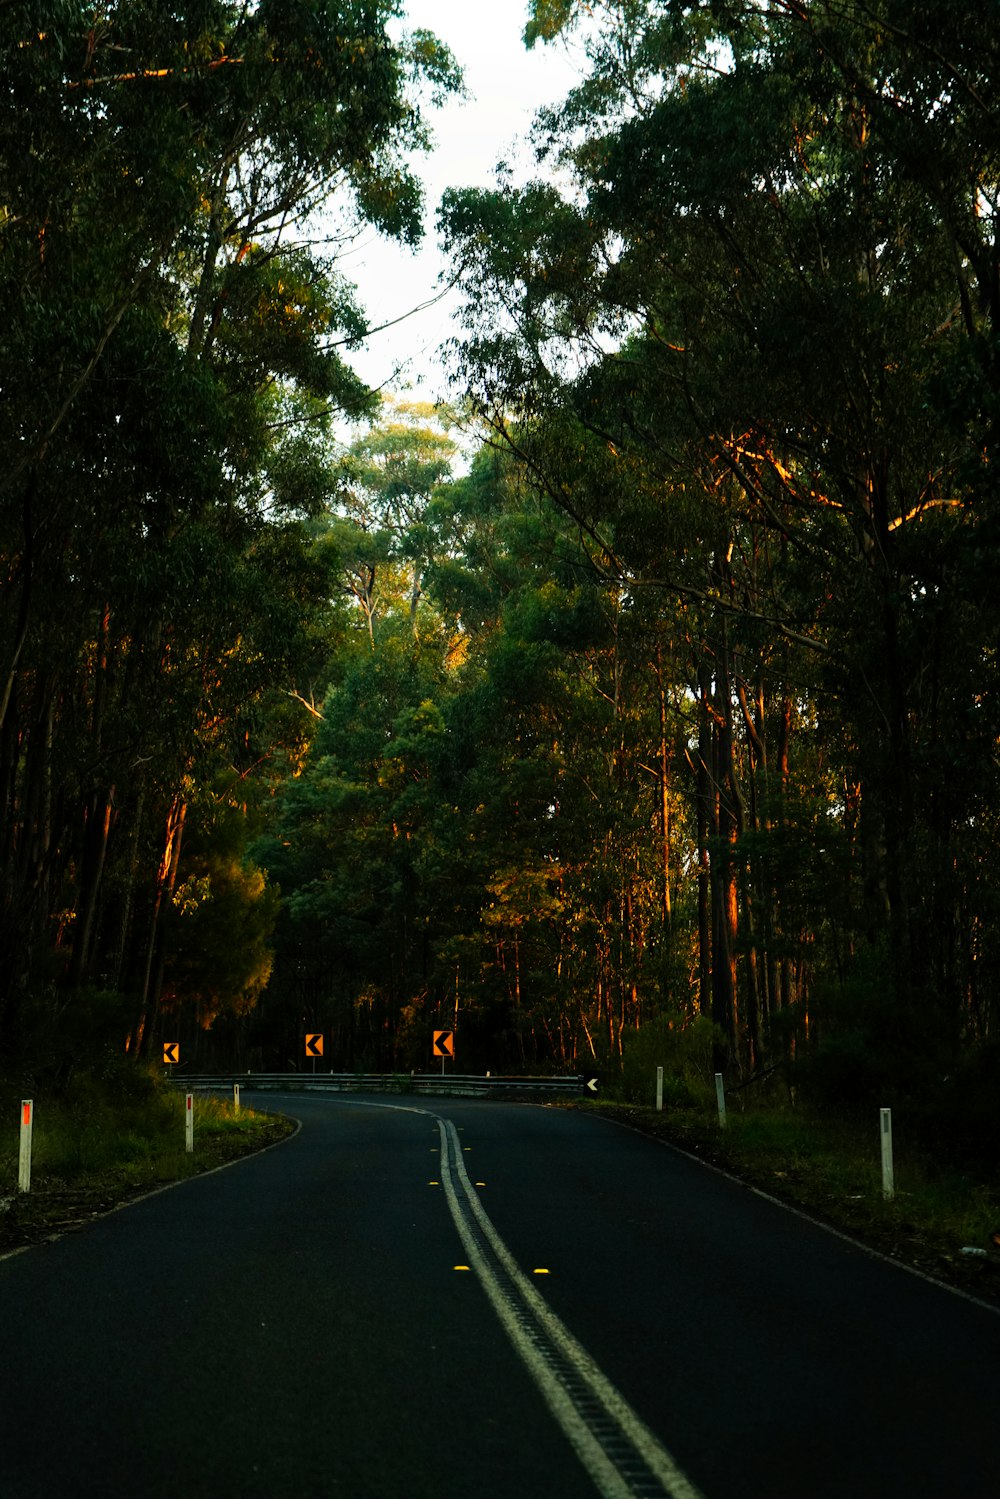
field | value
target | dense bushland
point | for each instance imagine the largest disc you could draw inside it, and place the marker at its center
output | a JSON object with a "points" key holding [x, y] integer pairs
{"points": [[664, 726]]}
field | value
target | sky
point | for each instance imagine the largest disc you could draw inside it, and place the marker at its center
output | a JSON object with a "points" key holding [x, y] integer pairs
{"points": [[505, 84]]}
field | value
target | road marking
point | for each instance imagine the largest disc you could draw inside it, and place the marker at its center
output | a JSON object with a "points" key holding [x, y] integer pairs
{"points": [[623, 1457], [797, 1212]]}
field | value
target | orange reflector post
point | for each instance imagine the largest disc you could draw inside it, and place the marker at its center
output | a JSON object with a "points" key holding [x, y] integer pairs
{"points": [[24, 1149]]}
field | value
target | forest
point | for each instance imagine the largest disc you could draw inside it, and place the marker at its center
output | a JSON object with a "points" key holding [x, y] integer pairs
{"points": [[641, 704]]}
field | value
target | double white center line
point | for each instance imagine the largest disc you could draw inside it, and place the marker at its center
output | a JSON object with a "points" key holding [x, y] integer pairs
{"points": [[623, 1457]]}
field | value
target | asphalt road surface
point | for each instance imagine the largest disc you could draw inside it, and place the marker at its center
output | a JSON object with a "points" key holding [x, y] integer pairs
{"points": [[625, 1322]]}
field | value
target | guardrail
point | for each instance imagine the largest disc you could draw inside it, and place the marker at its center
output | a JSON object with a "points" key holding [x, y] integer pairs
{"points": [[454, 1085]]}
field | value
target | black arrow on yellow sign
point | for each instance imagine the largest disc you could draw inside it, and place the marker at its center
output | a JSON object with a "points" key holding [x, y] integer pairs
{"points": [[171, 1053], [444, 1043], [314, 1046]]}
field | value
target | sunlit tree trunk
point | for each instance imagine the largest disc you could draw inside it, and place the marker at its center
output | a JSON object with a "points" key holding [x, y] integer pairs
{"points": [[663, 790], [703, 797], [166, 881], [723, 831]]}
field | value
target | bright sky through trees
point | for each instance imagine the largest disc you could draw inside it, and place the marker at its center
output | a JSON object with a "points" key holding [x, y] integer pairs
{"points": [[505, 84]]}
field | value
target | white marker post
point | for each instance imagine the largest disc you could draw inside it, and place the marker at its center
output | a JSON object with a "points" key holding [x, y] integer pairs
{"points": [[189, 1123], [720, 1098], [24, 1153], [885, 1133], [236, 1098], [659, 1090]]}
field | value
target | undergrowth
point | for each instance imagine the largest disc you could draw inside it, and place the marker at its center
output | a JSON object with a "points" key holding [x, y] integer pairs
{"points": [[100, 1140]]}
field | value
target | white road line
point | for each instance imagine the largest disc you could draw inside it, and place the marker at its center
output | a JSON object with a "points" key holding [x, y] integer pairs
{"points": [[807, 1217], [607, 1477]]}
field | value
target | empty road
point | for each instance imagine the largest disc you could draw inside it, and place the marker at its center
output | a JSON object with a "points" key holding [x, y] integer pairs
{"points": [[437, 1299]]}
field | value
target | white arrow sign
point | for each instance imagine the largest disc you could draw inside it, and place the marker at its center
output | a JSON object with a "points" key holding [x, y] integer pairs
{"points": [[592, 1085]]}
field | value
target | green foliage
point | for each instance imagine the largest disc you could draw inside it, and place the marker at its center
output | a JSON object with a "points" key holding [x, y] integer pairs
{"points": [[169, 335], [219, 928], [107, 1134], [121, 1120], [69, 1029], [548, 19], [682, 697], [764, 457], [679, 1043]]}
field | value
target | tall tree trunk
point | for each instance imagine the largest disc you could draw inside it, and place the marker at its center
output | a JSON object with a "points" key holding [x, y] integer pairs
{"points": [[724, 906], [98, 816], [703, 797], [25, 570], [95, 845], [166, 881], [663, 792]]}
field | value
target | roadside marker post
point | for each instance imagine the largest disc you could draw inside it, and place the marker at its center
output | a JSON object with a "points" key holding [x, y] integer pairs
{"points": [[720, 1097], [24, 1152], [444, 1046], [189, 1123], [885, 1134], [659, 1090], [314, 1046], [236, 1098]]}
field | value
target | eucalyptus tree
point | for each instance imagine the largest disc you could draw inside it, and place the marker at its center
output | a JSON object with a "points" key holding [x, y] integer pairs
{"points": [[382, 520], [759, 292], [347, 836], [171, 334], [564, 821], [471, 833]]}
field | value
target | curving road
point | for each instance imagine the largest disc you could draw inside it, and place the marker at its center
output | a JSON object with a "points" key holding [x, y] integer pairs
{"points": [[626, 1322]]}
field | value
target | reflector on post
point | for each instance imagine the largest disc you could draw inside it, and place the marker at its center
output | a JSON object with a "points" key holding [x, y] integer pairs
{"points": [[24, 1150]]}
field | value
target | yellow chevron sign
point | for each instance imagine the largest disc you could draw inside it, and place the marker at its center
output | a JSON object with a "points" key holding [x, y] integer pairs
{"points": [[444, 1043]]}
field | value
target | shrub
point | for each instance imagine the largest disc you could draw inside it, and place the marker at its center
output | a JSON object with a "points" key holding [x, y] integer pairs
{"points": [[682, 1046]]}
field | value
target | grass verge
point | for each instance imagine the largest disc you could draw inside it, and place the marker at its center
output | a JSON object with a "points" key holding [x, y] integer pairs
{"points": [[831, 1170], [94, 1149]]}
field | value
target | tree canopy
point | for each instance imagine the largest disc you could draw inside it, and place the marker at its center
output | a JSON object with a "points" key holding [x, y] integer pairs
{"points": [[172, 363], [652, 685]]}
